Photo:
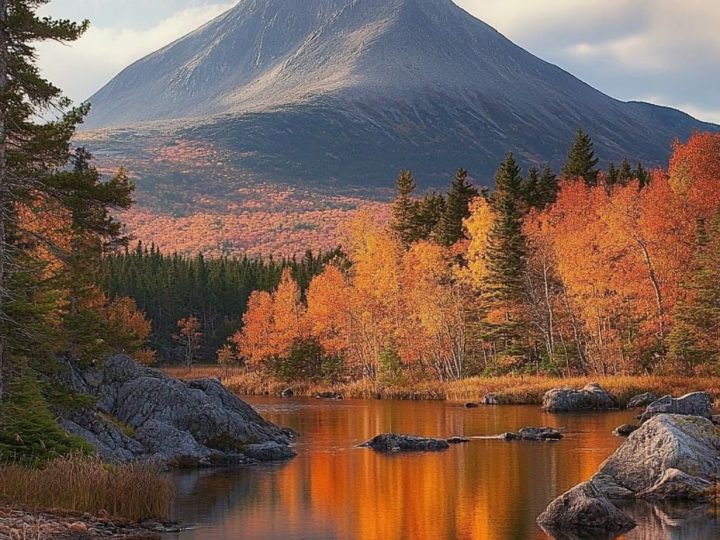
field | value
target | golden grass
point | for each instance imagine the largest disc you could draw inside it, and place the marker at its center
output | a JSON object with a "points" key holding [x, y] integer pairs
{"points": [[510, 389], [80, 484]]}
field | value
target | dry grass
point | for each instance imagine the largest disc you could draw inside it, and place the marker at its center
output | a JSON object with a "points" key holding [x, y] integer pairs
{"points": [[510, 389], [80, 484]]}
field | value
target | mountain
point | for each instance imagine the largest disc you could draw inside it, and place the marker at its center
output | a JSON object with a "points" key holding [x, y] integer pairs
{"points": [[341, 94]]}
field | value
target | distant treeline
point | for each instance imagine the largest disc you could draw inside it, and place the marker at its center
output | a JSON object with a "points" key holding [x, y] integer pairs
{"points": [[169, 288]]}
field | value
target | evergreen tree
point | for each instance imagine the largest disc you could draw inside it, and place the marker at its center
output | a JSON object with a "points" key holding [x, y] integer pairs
{"points": [[695, 338], [405, 209], [547, 188], [507, 258], [457, 208], [581, 161], [625, 174], [430, 211], [642, 175], [531, 187], [613, 174]]}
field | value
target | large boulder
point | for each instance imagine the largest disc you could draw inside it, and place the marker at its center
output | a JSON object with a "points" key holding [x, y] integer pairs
{"points": [[590, 398], [393, 442], [695, 404], [641, 400], [144, 414], [584, 512], [689, 444]]}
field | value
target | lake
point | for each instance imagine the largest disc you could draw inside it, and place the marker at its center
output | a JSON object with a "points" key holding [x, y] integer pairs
{"points": [[485, 489]]}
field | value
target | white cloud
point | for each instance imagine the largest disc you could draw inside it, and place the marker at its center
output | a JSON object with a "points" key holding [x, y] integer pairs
{"points": [[81, 68]]}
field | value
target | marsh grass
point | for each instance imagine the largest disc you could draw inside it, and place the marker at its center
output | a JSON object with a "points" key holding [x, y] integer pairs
{"points": [[77, 483], [516, 390]]}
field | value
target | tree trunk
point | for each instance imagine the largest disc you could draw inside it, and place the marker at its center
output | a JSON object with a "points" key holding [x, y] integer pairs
{"points": [[656, 288], [4, 191]]}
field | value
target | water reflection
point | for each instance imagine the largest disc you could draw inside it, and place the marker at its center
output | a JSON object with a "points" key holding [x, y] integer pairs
{"points": [[483, 490]]}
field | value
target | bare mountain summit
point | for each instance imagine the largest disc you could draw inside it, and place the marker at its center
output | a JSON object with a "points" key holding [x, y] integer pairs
{"points": [[342, 93]]}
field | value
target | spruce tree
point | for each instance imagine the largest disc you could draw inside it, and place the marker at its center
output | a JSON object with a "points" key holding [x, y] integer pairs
{"points": [[457, 209], [507, 257], [581, 161], [625, 174], [531, 187], [613, 174], [642, 175], [429, 214], [405, 209], [547, 188]]}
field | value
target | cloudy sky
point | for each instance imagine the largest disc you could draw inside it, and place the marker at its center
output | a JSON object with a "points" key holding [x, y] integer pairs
{"points": [[662, 51]]}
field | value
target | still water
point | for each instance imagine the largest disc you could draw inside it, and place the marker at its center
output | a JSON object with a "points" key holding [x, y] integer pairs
{"points": [[486, 489]]}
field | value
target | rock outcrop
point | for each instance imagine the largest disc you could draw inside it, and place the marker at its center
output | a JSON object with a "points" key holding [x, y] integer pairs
{"points": [[585, 513], [393, 442], [141, 413], [641, 400], [534, 434], [669, 457], [590, 398], [490, 399], [694, 404]]}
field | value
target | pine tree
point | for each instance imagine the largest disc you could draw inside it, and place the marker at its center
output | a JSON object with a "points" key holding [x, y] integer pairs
{"points": [[28, 151], [457, 209], [429, 214], [581, 160], [547, 188], [405, 209], [531, 187], [613, 174], [642, 175], [625, 174], [507, 258]]}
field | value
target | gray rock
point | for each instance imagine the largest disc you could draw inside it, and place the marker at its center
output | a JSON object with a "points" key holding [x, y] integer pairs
{"points": [[534, 434], [584, 512], [695, 404], [625, 430], [678, 485], [288, 393], [269, 451], [490, 399], [471, 405], [458, 440], [192, 423], [392, 442], [641, 400], [591, 398], [329, 395], [690, 444]]}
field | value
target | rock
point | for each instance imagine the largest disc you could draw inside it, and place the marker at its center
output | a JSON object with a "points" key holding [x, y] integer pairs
{"points": [[695, 404], [329, 395], [269, 451], [625, 430], [78, 527], [583, 511], [471, 405], [288, 393], [458, 440], [392, 442], [641, 400], [678, 485], [534, 434], [591, 398], [144, 414], [690, 444], [490, 399]]}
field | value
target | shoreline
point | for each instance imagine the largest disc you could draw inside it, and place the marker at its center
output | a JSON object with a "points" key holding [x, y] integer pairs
{"points": [[508, 390], [19, 523]]}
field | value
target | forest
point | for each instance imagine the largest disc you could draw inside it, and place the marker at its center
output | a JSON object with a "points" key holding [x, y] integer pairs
{"points": [[589, 272]]}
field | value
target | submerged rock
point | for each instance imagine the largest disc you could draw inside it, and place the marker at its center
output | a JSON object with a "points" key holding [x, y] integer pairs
{"points": [[329, 395], [458, 440], [694, 404], [144, 414], [288, 393], [641, 400], [592, 397], [393, 442], [584, 512], [625, 430], [534, 434], [471, 405]]}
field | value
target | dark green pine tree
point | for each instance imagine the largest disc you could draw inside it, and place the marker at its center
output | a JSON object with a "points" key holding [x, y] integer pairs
{"points": [[642, 175], [581, 161], [507, 259], [531, 187], [625, 174], [547, 188], [429, 213], [457, 209], [613, 174], [695, 339], [405, 209]]}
